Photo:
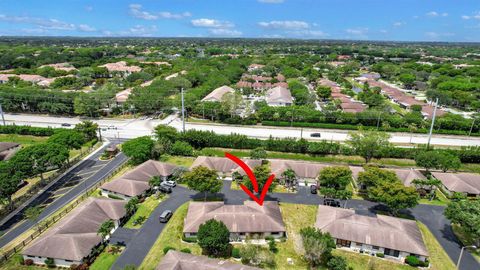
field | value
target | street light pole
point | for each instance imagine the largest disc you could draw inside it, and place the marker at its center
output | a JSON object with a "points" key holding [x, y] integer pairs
{"points": [[469, 133], [3, 117], [461, 254], [183, 113], [433, 122]]}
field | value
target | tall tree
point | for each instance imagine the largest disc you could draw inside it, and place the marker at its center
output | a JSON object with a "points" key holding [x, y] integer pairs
{"points": [[214, 238], [262, 173], [466, 213], [69, 138], [88, 129], [139, 149], [202, 179], [105, 228], [394, 195], [369, 144], [317, 245]]}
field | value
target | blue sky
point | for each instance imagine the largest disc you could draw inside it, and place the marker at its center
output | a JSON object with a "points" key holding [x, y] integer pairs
{"points": [[400, 20]]}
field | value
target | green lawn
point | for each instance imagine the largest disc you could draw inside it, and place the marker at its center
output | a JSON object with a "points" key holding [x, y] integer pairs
{"points": [[24, 140], [144, 209], [367, 262], [14, 263], [105, 260], [171, 236], [466, 240], [438, 257], [276, 189], [179, 160], [440, 199]]}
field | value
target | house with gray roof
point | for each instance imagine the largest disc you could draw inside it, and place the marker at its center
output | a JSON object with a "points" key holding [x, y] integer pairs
{"points": [[279, 96], [175, 260], [394, 237], [217, 94], [72, 240], [8, 149], [466, 183], [136, 182], [249, 220]]}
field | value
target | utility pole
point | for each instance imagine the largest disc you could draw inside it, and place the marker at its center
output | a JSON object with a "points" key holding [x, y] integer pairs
{"points": [[3, 117], [183, 113], [433, 122], [469, 133], [100, 133]]}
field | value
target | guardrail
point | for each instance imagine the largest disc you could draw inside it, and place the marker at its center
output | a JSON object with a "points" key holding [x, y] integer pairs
{"points": [[43, 226]]}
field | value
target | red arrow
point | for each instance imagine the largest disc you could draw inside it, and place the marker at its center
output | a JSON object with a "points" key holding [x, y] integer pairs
{"points": [[253, 179]]}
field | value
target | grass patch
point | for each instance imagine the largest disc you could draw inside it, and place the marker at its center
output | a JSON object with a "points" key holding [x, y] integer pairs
{"points": [[106, 259], [278, 188], [438, 257], [23, 140], [367, 262], [440, 199], [145, 209], [179, 161], [295, 216], [14, 263], [466, 240], [171, 236]]}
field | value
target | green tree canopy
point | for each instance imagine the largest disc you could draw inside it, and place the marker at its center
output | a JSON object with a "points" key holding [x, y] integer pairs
{"points": [[369, 144], [317, 245], [214, 238], [466, 213], [203, 179], [394, 195], [139, 149]]}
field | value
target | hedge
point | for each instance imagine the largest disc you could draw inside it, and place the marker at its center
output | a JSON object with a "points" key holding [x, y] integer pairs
{"points": [[28, 130], [202, 139]]}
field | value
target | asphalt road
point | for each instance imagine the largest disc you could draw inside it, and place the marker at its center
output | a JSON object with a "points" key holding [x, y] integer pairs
{"points": [[132, 128], [86, 174], [431, 216]]}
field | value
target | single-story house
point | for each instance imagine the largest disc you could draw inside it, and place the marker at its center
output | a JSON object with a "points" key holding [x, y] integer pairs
{"points": [[406, 176], [8, 149], [247, 220], [253, 67], [304, 170], [61, 66], [279, 96], [217, 94], [122, 67], [394, 237], [466, 183], [175, 260], [71, 240], [136, 182]]}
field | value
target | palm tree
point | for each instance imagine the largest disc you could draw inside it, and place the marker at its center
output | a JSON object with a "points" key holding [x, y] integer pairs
{"points": [[106, 228], [131, 205], [290, 178]]}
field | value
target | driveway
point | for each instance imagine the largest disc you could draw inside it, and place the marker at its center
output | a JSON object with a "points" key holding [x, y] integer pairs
{"points": [[87, 173], [140, 245], [431, 216]]}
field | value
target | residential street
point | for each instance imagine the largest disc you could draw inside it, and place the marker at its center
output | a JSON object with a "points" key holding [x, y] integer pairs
{"points": [[86, 174], [431, 216], [132, 128]]}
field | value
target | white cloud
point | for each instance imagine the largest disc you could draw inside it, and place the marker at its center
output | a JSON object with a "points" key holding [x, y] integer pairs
{"points": [[136, 10], [52, 24], [359, 32], [136, 31], [399, 24], [438, 36], [475, 16], [271, 1], [211, 23], [286, 25], [86, 28], [436, 14], [225, 32], [308, 34], [273, 36]]}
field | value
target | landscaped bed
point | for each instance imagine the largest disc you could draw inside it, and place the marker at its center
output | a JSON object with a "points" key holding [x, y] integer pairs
{"points": [[106, 259], [144, 210]]}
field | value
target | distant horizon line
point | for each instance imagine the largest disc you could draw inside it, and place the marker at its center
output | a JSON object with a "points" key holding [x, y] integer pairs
{"points": [[245, 38]]}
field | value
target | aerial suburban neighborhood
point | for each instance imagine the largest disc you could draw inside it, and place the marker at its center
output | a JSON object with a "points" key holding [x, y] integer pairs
{"points": [[240, 135]]}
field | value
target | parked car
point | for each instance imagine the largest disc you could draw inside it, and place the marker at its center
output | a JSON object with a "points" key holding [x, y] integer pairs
{"points": [[169, 183], [66, 124], [313, 189], [331, 202], [316, 135], [165, 216], [165, 189]]}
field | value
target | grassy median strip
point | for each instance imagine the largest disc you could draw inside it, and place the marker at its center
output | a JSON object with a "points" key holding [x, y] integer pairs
{"points": [[438, 257], [106, 259], [144, 210]]}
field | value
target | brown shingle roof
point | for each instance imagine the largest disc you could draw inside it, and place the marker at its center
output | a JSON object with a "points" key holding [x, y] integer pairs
{"points": [[383, 231], [249, 217], [460, 182], [279, 95], [175, 260], [7, 145], [135, 182], [74, 237]]}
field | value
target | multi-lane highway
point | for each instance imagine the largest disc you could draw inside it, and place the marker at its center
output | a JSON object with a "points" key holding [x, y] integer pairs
{"points": [[132, 128]]}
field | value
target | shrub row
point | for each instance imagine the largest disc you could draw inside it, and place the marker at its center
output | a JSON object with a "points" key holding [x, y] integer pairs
{"points": [[202, 139], [28, 130]]}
